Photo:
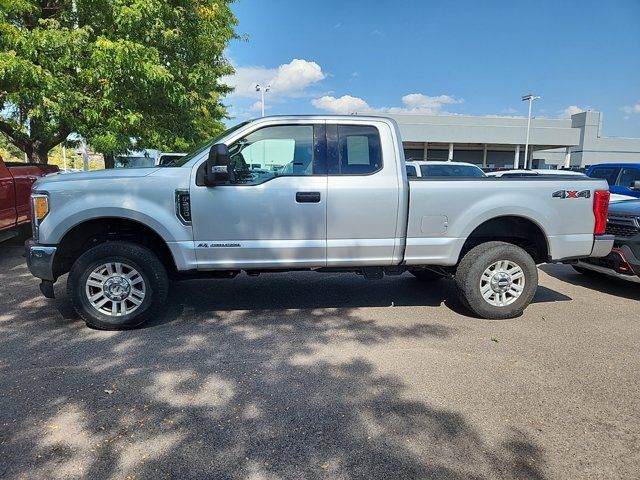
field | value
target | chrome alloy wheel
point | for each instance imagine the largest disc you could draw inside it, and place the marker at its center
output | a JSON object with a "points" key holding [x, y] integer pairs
{"points": [[115, 289], [502, 283]]}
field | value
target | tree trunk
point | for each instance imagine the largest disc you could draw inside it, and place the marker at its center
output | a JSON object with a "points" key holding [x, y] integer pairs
{"points": [[37, 152], [109, 160]]}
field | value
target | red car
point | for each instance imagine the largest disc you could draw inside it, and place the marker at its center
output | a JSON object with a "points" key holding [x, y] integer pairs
{"points": [[15, 189]]}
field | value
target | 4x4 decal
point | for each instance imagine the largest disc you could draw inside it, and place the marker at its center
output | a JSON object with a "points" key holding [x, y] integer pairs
{"points": [[572, 194]]}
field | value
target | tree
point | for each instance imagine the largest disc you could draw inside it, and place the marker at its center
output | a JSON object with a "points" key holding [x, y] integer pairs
{"points": [[120, 73]]}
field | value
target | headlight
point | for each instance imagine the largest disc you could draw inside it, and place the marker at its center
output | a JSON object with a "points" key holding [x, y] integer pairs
{"points": [[39, 210], [40, 202]]}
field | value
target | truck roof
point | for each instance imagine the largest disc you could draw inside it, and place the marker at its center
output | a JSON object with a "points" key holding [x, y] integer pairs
{"points": [[616, 165], [325, 117]]}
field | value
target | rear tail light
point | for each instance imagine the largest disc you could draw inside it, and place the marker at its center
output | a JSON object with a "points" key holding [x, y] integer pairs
{"points": [[600, 210]]}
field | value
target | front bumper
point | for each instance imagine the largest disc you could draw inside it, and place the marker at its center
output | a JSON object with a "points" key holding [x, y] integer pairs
{"points": [[620, 263], [40, 260], [602, 245]]}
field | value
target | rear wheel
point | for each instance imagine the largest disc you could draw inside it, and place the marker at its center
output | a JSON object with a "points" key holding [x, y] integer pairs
{"points": [[117, 285], [497, 280]]}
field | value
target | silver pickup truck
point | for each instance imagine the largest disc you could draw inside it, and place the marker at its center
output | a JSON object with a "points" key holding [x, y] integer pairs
{"points": [[324, 193]]}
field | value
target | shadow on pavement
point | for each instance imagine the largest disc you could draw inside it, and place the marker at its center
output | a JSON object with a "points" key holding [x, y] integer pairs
{"points": [[601, 283], [309, 290], [231, 393]]}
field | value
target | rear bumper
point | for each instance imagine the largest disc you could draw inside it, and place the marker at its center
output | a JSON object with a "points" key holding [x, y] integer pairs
{"points": [[620, 263], [602, 245], [40, 260]]}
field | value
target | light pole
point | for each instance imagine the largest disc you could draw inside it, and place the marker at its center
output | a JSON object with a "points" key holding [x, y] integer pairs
{"points": [[530, 98], [262, 91]]}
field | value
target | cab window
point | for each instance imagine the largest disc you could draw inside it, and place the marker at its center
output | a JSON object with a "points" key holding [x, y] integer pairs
{"points": [[359, 149], [281, 150], [628, 176]]}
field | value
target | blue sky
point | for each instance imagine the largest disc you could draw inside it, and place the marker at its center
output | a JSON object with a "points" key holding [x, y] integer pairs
{"points": [[440, 57]]}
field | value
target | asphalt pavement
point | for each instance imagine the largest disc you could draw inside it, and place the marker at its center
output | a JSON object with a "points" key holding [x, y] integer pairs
{"points": [[322, 376]]}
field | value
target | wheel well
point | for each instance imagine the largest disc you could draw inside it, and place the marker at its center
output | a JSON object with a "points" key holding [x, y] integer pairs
{"points": [[88, 234], [511, 229]]}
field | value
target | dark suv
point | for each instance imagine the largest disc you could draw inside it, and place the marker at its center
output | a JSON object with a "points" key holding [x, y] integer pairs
{"points": [[624, 260]]}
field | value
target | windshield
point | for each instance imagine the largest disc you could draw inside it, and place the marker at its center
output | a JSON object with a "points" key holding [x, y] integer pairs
{"points": [[451, 171], [134, 162], [205, 146]]}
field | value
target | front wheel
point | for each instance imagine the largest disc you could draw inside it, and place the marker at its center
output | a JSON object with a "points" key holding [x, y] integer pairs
{"points": [[117, 285], [497, 280]]}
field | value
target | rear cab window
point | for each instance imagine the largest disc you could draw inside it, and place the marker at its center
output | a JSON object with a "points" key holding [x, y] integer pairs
{"points": [[451, 171]]}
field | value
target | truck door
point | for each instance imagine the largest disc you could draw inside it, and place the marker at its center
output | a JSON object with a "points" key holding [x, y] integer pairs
{"points": [[24, 178], [7, 198], [364, 195], [272, 214]]}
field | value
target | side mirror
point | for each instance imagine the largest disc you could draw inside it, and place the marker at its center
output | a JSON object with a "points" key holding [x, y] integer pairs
{"points": [[635, 185], [217, 171]]}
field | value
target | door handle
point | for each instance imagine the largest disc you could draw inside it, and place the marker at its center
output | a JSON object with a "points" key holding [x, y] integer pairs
{"points": [[308, 197]]}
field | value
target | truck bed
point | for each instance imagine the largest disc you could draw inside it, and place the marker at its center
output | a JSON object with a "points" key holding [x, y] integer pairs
{"points": [[443, 213]]}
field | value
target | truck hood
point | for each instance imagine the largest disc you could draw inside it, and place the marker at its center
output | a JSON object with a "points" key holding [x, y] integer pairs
{"points": [[628, 207], [110, 174]]}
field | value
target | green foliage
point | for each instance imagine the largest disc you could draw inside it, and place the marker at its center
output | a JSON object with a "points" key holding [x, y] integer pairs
{"points": [[113, 71], [9, 152]]}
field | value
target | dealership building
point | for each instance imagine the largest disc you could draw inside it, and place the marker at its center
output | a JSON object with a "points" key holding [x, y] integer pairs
{"points": [[500, 141]]}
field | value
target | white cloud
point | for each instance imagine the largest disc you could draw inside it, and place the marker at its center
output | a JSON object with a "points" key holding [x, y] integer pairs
{"points": [[629, 109], [413, 103], [570, 110], [256, 107], [346, 104], [287, 80], [420, 103]]}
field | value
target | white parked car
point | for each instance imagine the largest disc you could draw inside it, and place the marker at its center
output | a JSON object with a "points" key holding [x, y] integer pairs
{"points": [[442, 169], [615, 197], [532, 173]]}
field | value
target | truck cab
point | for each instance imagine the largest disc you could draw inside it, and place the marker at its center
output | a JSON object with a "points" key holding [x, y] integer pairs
{"points": [[621, 177]]}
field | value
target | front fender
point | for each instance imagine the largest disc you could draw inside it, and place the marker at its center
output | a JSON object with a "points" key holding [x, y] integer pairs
{"points": [[165, 224]]}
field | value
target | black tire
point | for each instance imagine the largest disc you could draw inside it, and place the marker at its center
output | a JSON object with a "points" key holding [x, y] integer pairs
{"points": [[426, 275], [143, 260], [473, 265], [587, 272]]}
